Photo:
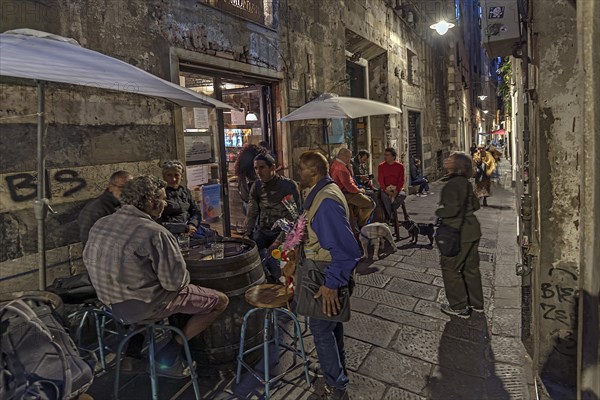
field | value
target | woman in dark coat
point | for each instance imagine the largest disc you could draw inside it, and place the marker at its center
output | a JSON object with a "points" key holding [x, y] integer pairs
{"points": [[244, 169], [462, 279], [181, 214]]}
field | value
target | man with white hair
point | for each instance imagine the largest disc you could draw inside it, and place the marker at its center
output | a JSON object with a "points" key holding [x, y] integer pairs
{"points": [[361, 206]]}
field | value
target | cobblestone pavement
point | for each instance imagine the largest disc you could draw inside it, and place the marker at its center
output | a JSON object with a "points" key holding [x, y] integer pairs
{"points": [[398, 343]]}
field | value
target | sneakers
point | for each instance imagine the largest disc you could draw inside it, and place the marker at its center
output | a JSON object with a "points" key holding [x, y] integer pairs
{"points": [[332, 393], [421, 194], [477, 310], [464, 313], [178, 370]]}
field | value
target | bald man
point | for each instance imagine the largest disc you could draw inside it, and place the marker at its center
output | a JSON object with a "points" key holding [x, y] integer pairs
{"points": [[361, 206]]}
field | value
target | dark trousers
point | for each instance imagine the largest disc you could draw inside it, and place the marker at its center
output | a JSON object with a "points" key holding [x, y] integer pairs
{"points": [[423, 184], [264, 239], [462, 279], [329, 342], [391, 207]]}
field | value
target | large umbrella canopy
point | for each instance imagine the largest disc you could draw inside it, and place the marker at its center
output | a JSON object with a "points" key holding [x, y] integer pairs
{"points": [[44, 57], [26, 53], [329, 105]]}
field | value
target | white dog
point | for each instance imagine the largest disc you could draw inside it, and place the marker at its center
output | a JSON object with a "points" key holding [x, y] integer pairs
{"points": [[377, 233]]}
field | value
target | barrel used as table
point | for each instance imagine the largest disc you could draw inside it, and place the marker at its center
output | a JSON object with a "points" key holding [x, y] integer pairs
{"points": [[239, 270]]}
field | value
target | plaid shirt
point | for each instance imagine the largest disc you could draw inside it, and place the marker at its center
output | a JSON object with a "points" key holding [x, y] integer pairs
{"points": [[134, 263]]}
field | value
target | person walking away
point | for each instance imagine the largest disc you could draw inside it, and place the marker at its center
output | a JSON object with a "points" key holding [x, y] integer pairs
{"points": [[105, 204], [391, 181], [138, 271], [485, 165], [244, 170], [361, 206], [417, 178], [329, 238], [265, 207], [462, 279]]}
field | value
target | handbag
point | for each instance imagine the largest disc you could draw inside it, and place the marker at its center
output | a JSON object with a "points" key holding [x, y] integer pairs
{"points": [[310, 276], [447, 238]]}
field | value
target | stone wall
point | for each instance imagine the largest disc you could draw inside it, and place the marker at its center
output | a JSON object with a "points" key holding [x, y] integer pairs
{"points": [[557, 171]]}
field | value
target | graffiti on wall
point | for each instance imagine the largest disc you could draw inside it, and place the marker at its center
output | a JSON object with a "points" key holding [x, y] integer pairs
{"points": [[23, 186]]}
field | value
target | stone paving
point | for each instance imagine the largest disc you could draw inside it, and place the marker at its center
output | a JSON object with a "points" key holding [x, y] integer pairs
{"points": [[400, 345]]}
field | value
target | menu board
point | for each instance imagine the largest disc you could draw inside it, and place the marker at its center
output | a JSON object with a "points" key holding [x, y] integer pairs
{"points": [[197, 148]]}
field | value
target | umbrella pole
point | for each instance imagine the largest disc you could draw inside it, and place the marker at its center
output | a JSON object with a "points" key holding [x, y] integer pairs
{"points": [[327, 139], [40, 204]]}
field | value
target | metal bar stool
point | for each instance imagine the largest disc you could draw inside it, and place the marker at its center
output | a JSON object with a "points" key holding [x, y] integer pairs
{"points": [[271, 298], [101, 318], [150, 328]]}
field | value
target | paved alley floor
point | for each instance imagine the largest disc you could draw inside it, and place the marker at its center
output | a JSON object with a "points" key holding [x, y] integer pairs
{"points": [[399, 345]]}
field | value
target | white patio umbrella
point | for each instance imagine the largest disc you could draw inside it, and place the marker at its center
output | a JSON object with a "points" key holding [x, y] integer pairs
{"points": [[329, 105], [41, 56]]}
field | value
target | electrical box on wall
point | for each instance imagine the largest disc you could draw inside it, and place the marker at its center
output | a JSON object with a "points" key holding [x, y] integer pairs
{"points": [[499, 27]]}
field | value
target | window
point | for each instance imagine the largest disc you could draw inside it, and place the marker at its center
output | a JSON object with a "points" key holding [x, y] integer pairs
{"points": [[412, 67]]}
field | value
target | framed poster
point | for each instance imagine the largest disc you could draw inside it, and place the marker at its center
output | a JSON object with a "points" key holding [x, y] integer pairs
{"points": [[211, 202]]}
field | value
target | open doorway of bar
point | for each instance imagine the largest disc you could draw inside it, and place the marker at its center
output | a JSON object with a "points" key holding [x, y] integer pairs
{"points": [[214, 139]]}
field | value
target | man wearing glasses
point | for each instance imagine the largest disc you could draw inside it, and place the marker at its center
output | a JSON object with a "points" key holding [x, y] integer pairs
{"points": [[105, 204]]}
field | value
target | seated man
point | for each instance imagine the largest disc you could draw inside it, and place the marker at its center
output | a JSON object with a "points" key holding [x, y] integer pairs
{"points": [[265, 207], [138, 271], [391, 180], [416, 178], [360, 169], [360, 205]]}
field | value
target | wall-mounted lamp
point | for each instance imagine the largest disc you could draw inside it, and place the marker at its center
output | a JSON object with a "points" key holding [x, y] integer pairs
{"points": [[482, 97], [484, 111], [442, 27]]}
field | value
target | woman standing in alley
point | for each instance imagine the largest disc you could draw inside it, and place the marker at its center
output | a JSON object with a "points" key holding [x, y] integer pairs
{"points": [[485, 165], [462, 279]]}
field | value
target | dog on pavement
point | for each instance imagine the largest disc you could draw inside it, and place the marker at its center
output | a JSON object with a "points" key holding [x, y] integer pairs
{"points": [[376, 233], [415, 229]]}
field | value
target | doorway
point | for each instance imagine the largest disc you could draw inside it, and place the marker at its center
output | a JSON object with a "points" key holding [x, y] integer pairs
{"points": [[415, 149], [213, 140]]}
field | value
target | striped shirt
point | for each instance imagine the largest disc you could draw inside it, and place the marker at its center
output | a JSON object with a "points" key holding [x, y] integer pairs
{"points": [[134, 263]]}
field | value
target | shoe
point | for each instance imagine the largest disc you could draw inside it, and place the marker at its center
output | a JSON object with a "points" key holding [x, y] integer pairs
{"points": [[428, 193], [332, 393], [314, 370], [179, 370], [477, 310], [465, 313]]}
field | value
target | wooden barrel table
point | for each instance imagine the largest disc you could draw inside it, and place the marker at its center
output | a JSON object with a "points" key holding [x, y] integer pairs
{"points": [[239, 270]]}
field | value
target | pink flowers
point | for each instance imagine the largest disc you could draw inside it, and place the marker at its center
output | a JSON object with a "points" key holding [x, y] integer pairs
{"points": [[295, 236]]}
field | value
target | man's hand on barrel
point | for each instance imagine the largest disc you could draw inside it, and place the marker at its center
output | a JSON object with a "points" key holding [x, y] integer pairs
{"points": [[331, 301]]}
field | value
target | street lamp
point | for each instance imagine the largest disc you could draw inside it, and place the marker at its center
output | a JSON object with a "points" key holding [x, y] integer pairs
{"points": [[482, 97], [442, 27]]}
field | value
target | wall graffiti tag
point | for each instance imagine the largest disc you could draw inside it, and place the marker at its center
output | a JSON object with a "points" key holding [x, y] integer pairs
{"points": [[23, 186]]}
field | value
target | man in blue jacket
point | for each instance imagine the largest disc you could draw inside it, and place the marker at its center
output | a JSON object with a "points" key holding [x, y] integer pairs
{"points": [[329, 239]]}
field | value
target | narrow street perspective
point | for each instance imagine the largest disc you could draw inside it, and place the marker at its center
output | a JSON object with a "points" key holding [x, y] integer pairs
{"points": [[300, 199]]}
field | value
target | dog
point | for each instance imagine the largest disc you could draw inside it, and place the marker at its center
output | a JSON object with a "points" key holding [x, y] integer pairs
{"points": [[415, 229], [376, 233]]}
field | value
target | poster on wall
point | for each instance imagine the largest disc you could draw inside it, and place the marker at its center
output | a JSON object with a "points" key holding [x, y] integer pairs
{"points": [[197, 175], [211, 202], [201, 120], [198, 149], [238, 117], [336, 134]]}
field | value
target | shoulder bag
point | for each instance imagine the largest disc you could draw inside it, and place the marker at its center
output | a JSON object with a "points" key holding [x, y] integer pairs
{"points": [[447, 238], [310, 276]]}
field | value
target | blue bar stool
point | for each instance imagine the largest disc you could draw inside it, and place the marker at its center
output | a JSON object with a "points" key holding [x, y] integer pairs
{"points": [[101, 318], [271, 298], [150, 328]]}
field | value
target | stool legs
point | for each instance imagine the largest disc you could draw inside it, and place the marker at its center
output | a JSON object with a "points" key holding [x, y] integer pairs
{"points": [[271, 318], [150, 331]]}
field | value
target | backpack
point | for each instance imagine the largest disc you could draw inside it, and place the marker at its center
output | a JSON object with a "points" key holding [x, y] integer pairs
{"points": [[39, 360]]}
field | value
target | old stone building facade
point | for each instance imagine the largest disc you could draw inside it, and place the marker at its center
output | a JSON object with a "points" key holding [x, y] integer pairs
{"points": [[292, 51]]}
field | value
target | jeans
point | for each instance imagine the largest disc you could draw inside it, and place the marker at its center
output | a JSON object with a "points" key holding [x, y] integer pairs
{"points": [[423, 184], [263, 240], [390, 207], [329, 342]]}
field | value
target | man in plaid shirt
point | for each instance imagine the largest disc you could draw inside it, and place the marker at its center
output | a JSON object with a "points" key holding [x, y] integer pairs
{"points": [[138, 271]]}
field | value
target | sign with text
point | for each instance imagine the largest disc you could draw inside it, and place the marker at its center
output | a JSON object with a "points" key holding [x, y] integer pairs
{"points": [[197, 148]]}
